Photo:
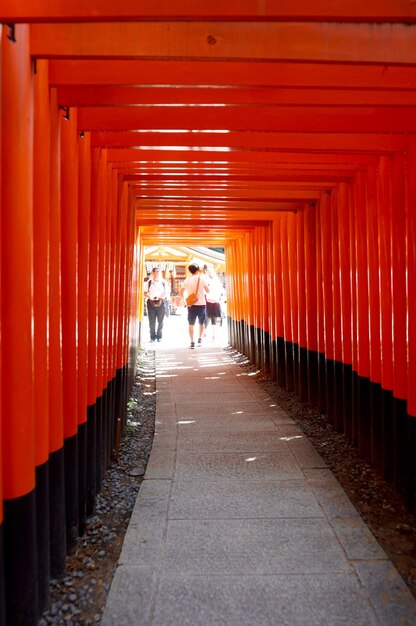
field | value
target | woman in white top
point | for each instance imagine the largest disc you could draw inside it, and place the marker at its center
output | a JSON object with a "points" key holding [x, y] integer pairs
{"points": [[198, 285], [213, 299]]}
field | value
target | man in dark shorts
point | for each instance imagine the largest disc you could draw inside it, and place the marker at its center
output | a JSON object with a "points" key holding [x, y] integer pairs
{"points": [[196, 283]]}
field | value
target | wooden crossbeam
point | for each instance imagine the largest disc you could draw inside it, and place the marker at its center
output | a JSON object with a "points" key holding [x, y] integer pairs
{"points": [[131, 10], [303, 41], [82, 95], [227, 73], [262, 118]]}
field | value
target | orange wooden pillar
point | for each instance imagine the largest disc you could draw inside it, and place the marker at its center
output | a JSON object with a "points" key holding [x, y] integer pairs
{"points": [[294, 303], [69, 232], [336, 364], [84, 201], [278, 303], [93, 400], [272, 297], [287, 316], [2, 573], [18, 427], [400, 427], [361, 388], [320, 325], [120, 313], [374, 316], [56, 428], [327, 371], [250, 268], [302, 312], [411, 292], [344, 406], [41, 204], [311, 302], [384, 219]]}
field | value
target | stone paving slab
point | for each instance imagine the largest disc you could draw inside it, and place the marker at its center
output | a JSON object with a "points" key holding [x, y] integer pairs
{"points": [[289, 600], [267, 466], [252, 546], [236, 442], [241, 499], [239, 521]]}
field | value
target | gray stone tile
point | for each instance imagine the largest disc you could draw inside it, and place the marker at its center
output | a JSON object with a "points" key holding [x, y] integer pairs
{"points": [[267, 466], [388, 593], [242, 499], [333, 500], [165, 409], [278, 546], [144, 537], [356, 538], [131, 596], [206, 397], [161, 463], [232, 442], [227, 424], [288, 600], [212, 384], [209, 409], [304, 452]]}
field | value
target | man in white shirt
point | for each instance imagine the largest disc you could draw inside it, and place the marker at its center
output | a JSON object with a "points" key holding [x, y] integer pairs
{"points": [[156, 290], [197, 284]]}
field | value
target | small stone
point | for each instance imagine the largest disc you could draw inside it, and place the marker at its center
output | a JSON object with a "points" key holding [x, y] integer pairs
{"points": [[137, 471], [101, 553]]}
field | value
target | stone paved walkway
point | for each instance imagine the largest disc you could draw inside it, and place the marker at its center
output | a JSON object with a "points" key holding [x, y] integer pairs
{"points": [[239, 522]]}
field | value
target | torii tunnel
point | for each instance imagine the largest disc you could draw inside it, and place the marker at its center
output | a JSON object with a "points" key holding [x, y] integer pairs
{"points": [[284, 131]]}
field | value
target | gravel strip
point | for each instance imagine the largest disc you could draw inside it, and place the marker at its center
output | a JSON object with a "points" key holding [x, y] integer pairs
{"points": [[79, 598]]}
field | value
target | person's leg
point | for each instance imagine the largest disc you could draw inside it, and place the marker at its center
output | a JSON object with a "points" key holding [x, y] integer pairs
{"points": [[160, 314], [151, 314], [201, 320], [191, 321], [213, 326]]}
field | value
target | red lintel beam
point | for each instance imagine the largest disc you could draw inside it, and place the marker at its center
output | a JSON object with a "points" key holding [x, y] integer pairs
{"points": [[198, 181], [215, 207], [260, 194], [254, 140], [284, 180], [82, 95], [138, 159], [228, 73], [253, 10], [262, 118], [328, 42]]}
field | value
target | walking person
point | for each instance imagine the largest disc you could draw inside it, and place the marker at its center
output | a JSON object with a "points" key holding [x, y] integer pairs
{"points": [[195, 284], [213, 298], [156, 290]]}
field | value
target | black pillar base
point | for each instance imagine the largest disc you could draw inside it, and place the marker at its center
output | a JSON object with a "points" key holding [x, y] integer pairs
{"points": [[42, 532], [71, 492], [347, 400], [290, 375], [20, 561], [91, 461], [2, 582], [57, 516], [329, 386], [313, 377], [303, 374], [82, 477], [281, 362], [364, 417]]}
